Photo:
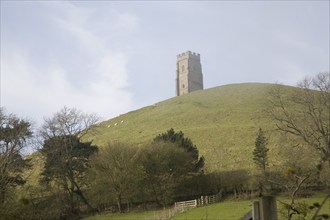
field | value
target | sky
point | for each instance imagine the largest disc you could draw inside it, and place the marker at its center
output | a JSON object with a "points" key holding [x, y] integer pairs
{"points": [[112, 57]]}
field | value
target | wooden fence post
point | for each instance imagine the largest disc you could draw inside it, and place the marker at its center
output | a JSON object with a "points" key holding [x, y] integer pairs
{"points": [[256, 210], [268, 209]]}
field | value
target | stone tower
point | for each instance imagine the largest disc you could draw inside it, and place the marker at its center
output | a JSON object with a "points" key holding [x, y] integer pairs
{"points": [[189, 75]]}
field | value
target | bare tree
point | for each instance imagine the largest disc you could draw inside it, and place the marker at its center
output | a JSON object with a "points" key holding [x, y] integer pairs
{"points": [[305, 113], [293, 182], [116, 173], [68, 121]]}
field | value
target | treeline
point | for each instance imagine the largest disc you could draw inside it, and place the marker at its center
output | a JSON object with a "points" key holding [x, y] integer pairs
{"points": [[78, 178]]}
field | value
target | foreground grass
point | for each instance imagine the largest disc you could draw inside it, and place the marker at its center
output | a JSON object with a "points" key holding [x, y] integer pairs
{"points": [[235, 210], [149, 215], [229, 210], [223, 211]]}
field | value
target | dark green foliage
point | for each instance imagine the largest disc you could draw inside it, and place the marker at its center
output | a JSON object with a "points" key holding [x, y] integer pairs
{"points": [[260, 156], [165, 167], [184, 143], [325, 216], [169, 161], [66, 157], [14, 134], [66, 161]]}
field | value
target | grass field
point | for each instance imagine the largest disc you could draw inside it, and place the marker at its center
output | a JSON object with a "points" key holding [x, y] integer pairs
{"points": [[229, 210], [226, 210], [150, 215], [223, 211], [223, 122]]}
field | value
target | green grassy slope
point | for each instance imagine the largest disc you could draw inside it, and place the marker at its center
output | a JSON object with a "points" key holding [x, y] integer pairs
{"points": [[223, 122]]}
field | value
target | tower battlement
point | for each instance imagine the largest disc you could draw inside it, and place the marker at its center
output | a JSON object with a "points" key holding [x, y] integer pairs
{"points": [[189, 75], [187, 55]]}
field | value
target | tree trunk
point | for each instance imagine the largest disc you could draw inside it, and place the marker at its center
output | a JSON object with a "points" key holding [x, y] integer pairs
{"points": [[2, 196], [71, 198], [119, 202], [82, 197], [235, 192]]}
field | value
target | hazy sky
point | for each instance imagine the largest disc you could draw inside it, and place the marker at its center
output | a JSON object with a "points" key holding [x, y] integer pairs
{"points": [[111, 57]]}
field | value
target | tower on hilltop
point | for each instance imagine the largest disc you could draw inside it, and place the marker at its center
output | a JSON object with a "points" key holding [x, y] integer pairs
{"points": [[189, 75]]}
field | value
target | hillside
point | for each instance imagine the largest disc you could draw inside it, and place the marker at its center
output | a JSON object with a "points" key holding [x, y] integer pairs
{"points": [[222, 122]]}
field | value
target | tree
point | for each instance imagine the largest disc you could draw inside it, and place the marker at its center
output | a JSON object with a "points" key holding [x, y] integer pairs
{"points": [[66, 155], [116, 173], [260, 152], [184, 143], [168, 161], [305, 113], [66, 163], [260, 157], [165, 167], [294, 181], [14, 136], [68, 121]]}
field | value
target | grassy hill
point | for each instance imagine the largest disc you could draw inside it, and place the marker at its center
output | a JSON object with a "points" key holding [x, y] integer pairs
{"points": [[223, 122]]}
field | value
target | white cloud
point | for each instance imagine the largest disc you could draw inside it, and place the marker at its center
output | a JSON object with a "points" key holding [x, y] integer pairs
{"points": [[126, 21], [114, 64], [27, 95], [33, 90]]}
